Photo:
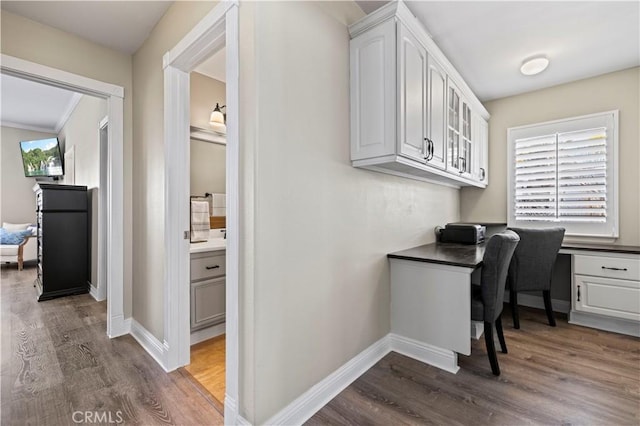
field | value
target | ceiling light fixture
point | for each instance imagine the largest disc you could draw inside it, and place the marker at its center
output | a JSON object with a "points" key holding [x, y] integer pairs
{"points": [[534, 65]]}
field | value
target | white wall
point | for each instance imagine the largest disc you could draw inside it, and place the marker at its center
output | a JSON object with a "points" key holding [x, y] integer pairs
{"points": [[322, 228], [208, 160], [35, 42], [148, 153], [618, 90], [82, 132], [17, 200]]}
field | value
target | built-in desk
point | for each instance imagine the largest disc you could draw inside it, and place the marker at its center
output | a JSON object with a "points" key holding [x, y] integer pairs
{"points": [[431, 301], [431, 296]]}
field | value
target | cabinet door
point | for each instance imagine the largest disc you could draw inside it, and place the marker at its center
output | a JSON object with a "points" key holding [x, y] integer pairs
{"points": [[607, 296], [437, 113], [208, 303], [480, 138], [412, 70], [454, 138], [373, 92], [483, 151]]}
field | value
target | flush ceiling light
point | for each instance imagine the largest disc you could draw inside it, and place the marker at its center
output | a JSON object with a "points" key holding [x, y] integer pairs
{"points": [[534, 65]]}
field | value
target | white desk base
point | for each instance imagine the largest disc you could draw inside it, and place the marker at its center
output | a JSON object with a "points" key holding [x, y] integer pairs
{"points": [[431, 311]]}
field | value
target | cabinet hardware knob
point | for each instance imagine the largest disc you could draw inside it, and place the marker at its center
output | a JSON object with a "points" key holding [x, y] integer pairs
{"points": [[212, 267], [484, 173], [614, 269]]}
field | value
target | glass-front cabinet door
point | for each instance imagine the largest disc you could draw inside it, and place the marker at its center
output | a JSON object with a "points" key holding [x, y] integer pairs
{"points": [[459, 137]]}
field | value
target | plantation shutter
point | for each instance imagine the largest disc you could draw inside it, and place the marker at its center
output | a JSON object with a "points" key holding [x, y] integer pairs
{"points": [[582, 175], [535, 178], [562, 177]]}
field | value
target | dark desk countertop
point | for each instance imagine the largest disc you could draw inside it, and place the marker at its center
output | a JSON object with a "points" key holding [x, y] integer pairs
{"points": [[608, 248], [468, 256]]}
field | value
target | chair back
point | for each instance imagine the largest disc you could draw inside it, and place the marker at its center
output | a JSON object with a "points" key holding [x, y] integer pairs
{"points": [[495, 265], [533, 260]]}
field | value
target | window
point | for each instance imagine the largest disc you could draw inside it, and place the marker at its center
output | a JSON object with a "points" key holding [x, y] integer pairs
{"points": [[564, 173]]}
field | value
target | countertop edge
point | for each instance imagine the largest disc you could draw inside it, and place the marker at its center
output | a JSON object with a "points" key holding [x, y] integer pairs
{"points": [[436, 261]]}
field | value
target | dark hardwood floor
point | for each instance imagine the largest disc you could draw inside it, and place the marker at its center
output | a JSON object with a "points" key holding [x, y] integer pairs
{"points": [[56, 360], [563, 375]]}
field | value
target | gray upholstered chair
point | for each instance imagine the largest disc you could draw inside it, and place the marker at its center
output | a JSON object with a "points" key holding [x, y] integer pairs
{"points": [[486, 299], [532, 266]]}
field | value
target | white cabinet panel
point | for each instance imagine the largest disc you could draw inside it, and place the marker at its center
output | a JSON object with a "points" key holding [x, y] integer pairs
{"points": [[373, 92], [208, 303], [480, 137], [606, 296], [412, 67], [437, 107]]}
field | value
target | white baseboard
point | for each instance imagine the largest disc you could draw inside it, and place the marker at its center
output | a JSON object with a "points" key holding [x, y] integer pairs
{"points": [[616, 325], [231, 416], [207, 333], [441, 358], [477, 328], [307, 404], [119, 326], [532, 301], [149, 343], [97, 293]]}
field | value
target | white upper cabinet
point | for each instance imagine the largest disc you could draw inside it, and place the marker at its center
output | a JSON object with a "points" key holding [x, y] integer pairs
{"points": [[373, 92], [412, 73], [480, 135], [437, 106], [412, 115]]}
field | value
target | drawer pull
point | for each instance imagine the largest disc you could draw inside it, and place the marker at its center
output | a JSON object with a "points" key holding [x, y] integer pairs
{"points": [[212, 267], [578, 293], [614, 269]]}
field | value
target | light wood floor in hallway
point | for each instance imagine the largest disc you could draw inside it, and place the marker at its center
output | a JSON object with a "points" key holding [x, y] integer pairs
{"points": [[56, 359], [567, 375], [208, 368]]}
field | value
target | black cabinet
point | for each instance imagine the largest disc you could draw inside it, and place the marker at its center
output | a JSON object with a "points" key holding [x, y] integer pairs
{"points": [[63, 244]]}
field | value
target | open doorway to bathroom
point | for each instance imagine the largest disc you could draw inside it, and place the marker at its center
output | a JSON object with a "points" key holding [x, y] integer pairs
{"points": [[208, 226]]}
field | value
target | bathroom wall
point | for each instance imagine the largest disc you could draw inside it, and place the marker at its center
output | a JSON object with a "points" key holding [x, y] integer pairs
{"points": [[208, 160]]}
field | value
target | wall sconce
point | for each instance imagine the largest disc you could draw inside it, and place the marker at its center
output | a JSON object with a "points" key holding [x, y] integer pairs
{"points": [[217, 116]]}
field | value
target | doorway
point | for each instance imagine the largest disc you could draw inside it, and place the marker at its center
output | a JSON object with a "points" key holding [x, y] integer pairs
{"points": [[114, 261], [217, 30]]}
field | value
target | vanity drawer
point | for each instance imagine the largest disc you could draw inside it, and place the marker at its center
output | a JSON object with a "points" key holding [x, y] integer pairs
{"points": [[208, 266], [606, 266]]}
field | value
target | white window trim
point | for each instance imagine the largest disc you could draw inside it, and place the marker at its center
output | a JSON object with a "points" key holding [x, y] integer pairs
{"points": [[612, 170]]}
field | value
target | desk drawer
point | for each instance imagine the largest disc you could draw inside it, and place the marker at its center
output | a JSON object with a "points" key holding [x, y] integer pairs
{"points": [[208, 267], [608, 267]]}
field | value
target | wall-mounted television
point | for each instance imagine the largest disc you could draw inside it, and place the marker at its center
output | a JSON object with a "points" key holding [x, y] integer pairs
{"points": [[41, 158]]}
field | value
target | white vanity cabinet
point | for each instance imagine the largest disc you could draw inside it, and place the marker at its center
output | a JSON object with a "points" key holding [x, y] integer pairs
{"points": [[606, 291], [412, 114], [208, 289]]}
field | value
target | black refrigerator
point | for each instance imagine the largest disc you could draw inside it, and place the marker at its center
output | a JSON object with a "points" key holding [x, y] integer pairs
{"points": [[63, 243]]}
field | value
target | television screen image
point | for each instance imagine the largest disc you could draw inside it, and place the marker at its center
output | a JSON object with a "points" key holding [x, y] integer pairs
{"points": [[41, 158]]}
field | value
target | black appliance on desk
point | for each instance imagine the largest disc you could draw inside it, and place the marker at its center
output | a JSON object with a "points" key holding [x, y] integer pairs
{"points": [[463, 233]]}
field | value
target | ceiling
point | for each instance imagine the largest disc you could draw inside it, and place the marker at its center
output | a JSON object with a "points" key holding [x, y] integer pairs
{"points": [[488, 41], [120, 25], [215, 66], [35, 106], [485, 40]]}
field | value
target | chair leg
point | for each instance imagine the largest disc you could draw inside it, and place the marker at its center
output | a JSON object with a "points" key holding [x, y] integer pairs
{"points": [[491, 348], [546, 294], [513, 301], [503, 344]]}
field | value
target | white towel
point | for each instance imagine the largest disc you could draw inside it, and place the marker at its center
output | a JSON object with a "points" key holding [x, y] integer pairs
{"points": [[200, 224], [219, 200]]}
